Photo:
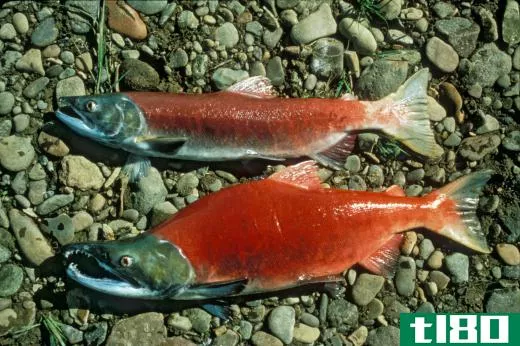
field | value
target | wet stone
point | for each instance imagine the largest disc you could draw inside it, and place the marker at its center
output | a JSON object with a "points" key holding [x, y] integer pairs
{"points": [[366, 288], [229, 338], [405, 276], [281, 323]]}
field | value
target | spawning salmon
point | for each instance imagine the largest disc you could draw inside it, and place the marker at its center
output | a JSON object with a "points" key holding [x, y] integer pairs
{"points": [[273, 234], [248, 121]]}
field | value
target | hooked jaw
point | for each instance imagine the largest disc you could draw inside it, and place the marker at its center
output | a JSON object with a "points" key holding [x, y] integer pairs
{"points": [[75, 120]]}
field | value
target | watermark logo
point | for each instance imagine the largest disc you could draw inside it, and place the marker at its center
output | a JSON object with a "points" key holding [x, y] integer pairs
{"points": [[460, 329]]}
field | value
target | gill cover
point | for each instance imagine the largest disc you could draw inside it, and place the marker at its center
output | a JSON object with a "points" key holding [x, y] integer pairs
{"points": [[141, 267], [110, 119]]}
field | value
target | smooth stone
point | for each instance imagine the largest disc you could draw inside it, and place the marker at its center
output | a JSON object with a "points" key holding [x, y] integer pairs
{"points": [[148, 7], [227, 35], [178, 59], [52, 145], [426, 248], [138, 75], [45, 33], [486, 65], [444, 9], [316, 25], [35, 87], [72, 86], [281, 323], [390, 9], [5, 253], [162, 212], [405, 276], [489, 25], [199, 318], [16, 153], [31, 62], [6, 102], [271, 38], [60, 227], [516, 58], [275, 71], [21, 122], [82, 220], [425, 308], [29, 237], [366, 288], [224, 77], [84, 62], [458, 266], [7, 32], [150, 191], [512, 141], [20, 23], [179, 322], [442, 55], [79, 172], [508, 253], [263, 339], [188, 20], [54, 203], [397, 36], [361, 38], [125, 20], [143, 329], [306, 334]]}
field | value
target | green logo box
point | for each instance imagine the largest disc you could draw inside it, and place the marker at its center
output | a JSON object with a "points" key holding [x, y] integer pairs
{"points": [[460, 329]]}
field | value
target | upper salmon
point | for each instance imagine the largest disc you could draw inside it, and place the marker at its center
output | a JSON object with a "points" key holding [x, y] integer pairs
{"points": [[274, 234], [249, 121]]}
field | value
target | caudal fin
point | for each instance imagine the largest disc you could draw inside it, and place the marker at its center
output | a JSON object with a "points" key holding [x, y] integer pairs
{"points": [[407, 112], [458, 204]]}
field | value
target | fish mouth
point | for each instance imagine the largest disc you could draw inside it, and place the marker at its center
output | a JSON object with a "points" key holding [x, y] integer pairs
{"points": [[74, 118], [88, 270]]}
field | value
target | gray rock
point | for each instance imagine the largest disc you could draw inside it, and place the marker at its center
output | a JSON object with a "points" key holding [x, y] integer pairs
{"points": [[179, 322], [487, 65], [5, 254], [7, 32], [503, 301], [442, 55], [426, 248], [31, 241], [142, 329], [275, 71], [224, 77], [20, 23], [187, 20], [45, 33], [178, 59], [60, 227], [162, 212], [512, 141], [72, 86], [361, 38], [148, 7], [281, 323], [6, 126], [21, 122], [246, 329], [341, 312], [150, 191], [511, 272], [54, 203], [444, 9], [31, 62], [82, 220], [35, 87], [516, 58], [96, 333], [366, 287], [16, 153], [390, 9], [6, 102], [310, 319], [353, 163], [200, 319], [394, 308], [425, 308], [397, 36], [375, 175], [229, 338], [384, 336], [67, 57], [19, 183], [80, 23], [79, 172], [200, 66], [475, 148], [227, 35], [461, 33], [263, 339], [405, 276], [139, 75], [271, 38], [489, 25], [11, 278], [316, 25], [357, 183], [458, 266], [73, 335], [187, 183], [511, 23], [284, 4], [382, 78], [490, 124]]}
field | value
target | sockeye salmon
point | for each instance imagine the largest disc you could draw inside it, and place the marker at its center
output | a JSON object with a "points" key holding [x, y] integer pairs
{"points": [[248, 121], [274, 234]]}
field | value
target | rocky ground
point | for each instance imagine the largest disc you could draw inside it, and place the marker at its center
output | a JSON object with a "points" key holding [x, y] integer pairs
{"points": [[57, 188]]}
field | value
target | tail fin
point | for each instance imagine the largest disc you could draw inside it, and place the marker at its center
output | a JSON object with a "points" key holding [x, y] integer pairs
{"points": [[409, 107], [459, 201]]}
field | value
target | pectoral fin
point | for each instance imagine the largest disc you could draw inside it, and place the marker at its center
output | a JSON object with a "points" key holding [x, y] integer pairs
{"points": [[162, 146], [218, 289], [136, 167]]}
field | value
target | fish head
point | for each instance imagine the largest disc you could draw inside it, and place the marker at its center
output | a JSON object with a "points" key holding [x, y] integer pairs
{"points": [[107, 118], [143, 267]]}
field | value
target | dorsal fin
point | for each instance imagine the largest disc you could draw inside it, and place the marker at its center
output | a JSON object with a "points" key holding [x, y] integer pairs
{"points": [[383, 261], [257, 86], [395, 190], [303, 174]]}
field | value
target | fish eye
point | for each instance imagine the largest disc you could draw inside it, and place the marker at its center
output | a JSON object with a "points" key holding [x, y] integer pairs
{"points": [[91, 106], [126, 261]]}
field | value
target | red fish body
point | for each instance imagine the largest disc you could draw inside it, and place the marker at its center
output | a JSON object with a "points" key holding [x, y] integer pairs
{"points": [[287, 230]]}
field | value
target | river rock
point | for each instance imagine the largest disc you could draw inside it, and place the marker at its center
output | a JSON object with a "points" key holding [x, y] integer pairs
{"points": [[78, 172], [362, 39], [16, 153], [316, 25]]}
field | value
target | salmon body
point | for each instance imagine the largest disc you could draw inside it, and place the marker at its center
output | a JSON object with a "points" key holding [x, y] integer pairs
{"points": [[274, 234], [248, 121]]}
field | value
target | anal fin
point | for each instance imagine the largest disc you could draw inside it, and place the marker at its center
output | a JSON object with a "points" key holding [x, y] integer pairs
{"points": [[383, 261], [303, 174], [335, 156]]}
